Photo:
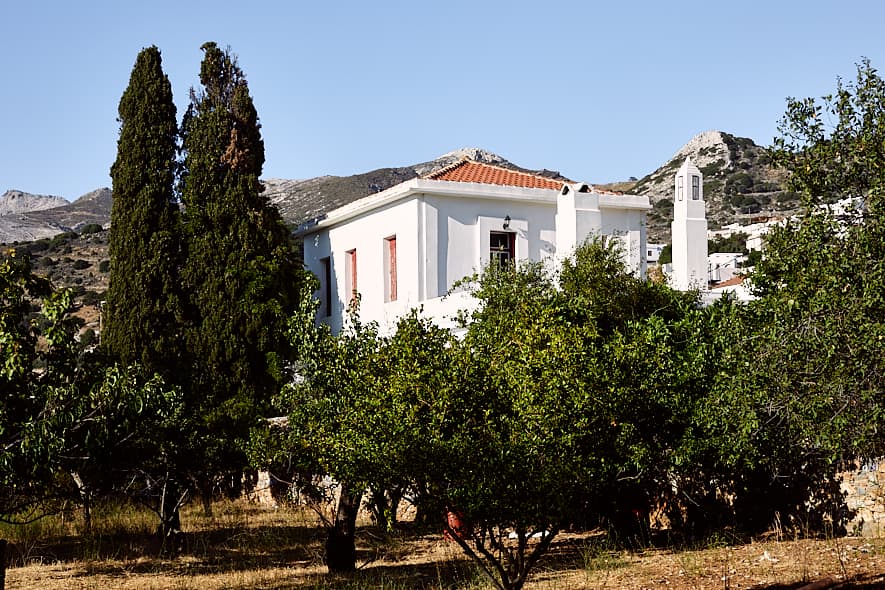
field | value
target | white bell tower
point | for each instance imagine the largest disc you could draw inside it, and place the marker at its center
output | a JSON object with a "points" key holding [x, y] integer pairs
{"points": [[689, 230]]}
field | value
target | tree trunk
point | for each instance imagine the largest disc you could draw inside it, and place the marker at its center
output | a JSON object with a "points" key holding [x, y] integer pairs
{"points": [[341, 544], [384, 505], [394, 496], [2, 564], [170, 517], [206, 497], [85, 499], [87, 515]]}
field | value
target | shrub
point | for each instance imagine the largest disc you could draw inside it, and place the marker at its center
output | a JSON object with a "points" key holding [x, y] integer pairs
{"points": [[104, 266], [90, 228], [37, 246], [81, 264], [713, 167], [62, 239], [88, 338], [91, 297], [712, 186], [740, 183]]}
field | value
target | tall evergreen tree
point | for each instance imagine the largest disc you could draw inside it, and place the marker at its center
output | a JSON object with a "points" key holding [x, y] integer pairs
{"points": [[143, 311], [241, 272]]}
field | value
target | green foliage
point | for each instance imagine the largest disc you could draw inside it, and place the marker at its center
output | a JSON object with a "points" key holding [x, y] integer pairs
{"points": [[144, 307], [90, 228], [664, 204], [803, 390], [713, 168], [736, 242], [712, 187], [62, 411], [800, 370], [537, 419], [740, 183], [834, 148], [241, 271], [59, 242]]}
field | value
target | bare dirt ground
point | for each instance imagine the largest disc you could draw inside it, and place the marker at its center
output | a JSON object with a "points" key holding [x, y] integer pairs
{"points": [[250, 547]]}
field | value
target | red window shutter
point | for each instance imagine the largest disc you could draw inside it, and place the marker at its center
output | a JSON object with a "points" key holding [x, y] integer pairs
{"points": [[391, 242]]}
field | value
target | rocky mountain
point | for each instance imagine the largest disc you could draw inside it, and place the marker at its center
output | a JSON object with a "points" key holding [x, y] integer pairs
{"points": [[14, 202], [303, 200], [25, 217], [739, 183]]}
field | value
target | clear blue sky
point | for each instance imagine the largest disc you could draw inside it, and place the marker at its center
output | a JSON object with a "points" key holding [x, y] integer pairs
{"points": [[599, 91]]}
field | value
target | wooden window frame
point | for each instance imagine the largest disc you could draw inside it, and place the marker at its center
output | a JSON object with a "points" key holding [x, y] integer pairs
{"points": [[351, 286], [326, 286], [502, 253], [390, 291]]}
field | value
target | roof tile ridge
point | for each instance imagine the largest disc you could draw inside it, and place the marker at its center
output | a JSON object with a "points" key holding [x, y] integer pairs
{"points": [[446, 169], [466, 159], [518, 172]]}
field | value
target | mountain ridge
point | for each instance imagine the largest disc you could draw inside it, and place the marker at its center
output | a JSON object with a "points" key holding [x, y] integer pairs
{"points": [[739, 184]]}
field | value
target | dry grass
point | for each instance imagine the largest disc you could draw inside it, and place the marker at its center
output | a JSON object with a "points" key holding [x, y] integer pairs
{"points": [[245, 546]]}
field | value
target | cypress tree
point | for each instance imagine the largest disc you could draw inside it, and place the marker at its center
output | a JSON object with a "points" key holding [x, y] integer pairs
{"points": [[143, 309], [241, 272]]}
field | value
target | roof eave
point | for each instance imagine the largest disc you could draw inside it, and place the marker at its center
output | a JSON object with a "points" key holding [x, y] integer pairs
{"points": [[422, 186]]}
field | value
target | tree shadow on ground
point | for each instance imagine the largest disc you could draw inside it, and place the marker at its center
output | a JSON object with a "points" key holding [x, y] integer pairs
{"points": [[384, 560], [858, 582], [263, 544]]}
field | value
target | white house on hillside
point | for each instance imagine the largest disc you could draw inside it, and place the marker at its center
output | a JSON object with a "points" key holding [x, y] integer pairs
{"points": [[406, 246]]}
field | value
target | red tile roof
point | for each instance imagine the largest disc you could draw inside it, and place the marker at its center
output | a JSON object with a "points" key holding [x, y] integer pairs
{"points": [[470, 171], [735, 280]]}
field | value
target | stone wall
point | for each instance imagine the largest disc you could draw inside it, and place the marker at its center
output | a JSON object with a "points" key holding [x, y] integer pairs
{"points": [[865, 494]]}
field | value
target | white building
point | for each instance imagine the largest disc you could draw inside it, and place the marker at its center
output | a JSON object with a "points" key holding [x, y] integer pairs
{"points": [[407, 246], [723, 266], [689, 230], [653, 252]]}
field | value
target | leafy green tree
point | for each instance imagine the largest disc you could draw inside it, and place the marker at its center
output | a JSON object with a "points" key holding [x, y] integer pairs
{"points": [[736, 242], [28, 445], [65, 418], [822, 278], [800, 390], [241, 273], [143, 321], [833, 147], [564, 405], [563, 395], [332, 408]]}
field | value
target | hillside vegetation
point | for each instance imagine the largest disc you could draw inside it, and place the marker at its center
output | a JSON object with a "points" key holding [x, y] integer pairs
{"points": [[740, 183]]}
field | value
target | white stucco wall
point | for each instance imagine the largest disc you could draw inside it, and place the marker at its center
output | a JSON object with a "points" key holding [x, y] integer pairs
{"points": [[442, 234], [689, 230], [440, 239], [366, 234]]}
